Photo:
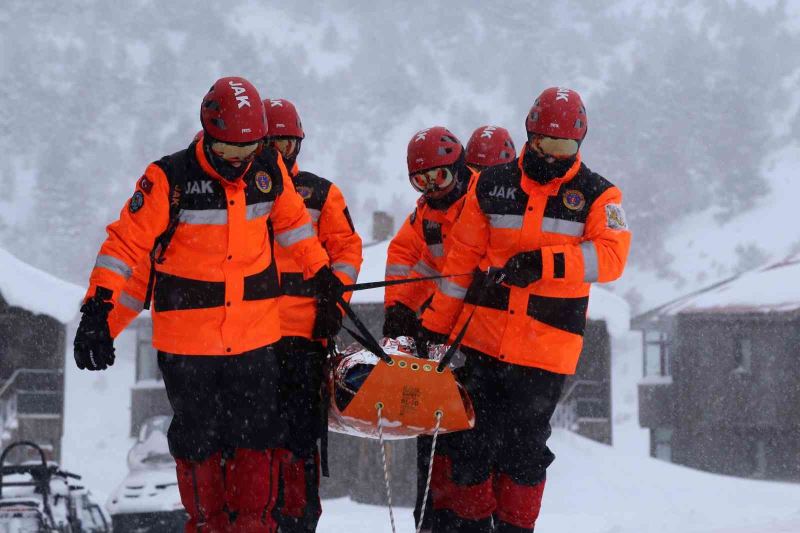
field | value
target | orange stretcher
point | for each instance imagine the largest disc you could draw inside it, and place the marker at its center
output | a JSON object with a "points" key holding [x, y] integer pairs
{"points": [[412, 396]]}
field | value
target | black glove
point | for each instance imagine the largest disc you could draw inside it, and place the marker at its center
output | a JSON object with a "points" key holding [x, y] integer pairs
{"points": [[400, 321], [521, 269], [329, 317], [425, 338], [94, 347]]}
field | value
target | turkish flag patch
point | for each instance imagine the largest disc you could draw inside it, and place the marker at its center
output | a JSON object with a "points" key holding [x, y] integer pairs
{"points": [[145, 184]]}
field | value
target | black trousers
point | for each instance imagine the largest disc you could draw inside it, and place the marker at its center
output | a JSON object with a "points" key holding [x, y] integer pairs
{"points": [[513, 405], [301, 362], [495, 472], [222, 403]]}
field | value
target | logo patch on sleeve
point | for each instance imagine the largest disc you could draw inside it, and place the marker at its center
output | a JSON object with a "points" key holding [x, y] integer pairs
{"points": [[137, 201], [304, 192], [574, 199], [615, 217], [145, 184], [263, 181]]}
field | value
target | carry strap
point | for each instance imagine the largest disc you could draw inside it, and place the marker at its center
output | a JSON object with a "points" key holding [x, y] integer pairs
{"points": [[390, 283], [366, 339]]}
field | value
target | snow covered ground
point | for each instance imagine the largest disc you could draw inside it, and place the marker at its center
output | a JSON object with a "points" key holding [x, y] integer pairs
{"points": [[593, 488]]}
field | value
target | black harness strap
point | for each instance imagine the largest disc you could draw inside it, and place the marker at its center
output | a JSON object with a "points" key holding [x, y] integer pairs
{"points": [[390, 283]]}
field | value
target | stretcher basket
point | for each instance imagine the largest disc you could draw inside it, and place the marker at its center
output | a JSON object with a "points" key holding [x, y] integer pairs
{"points": [[410, 394]]}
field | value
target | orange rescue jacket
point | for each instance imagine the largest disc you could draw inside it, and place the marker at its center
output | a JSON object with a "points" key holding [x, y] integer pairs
{"points": [[332, 223], [419, 250], [576, 221], [216, 291]]}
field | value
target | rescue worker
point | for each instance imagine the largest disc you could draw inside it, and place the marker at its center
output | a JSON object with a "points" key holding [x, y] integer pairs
{"points": [[437, 169], [212, 210], [489, 146], [553, 227], [306, 328]]}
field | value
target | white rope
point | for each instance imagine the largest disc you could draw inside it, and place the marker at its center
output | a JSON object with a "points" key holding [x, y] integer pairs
{"points": [[379, 406], [430, 470]]}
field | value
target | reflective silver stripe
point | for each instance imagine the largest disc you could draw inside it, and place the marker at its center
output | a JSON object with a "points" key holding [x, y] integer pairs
{"points": [[258, 210], [114, 265], [292, 236], [564, 227], [452, 289], [214, 217], [315, 213], [131, 302], [437, 250], [397, 270], [506, 221], [591, 269], [350, 270], [425, 269]]}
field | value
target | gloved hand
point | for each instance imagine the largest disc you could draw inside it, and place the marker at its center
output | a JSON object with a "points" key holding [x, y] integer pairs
{"points": [[521, 269], [329, 317], [425, 339], [93, 346], [400, 321]]}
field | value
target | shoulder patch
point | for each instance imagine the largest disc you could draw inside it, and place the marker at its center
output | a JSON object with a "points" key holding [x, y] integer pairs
{"points": [[145, 184], [615, 217], [304, 191], [136, 202]]}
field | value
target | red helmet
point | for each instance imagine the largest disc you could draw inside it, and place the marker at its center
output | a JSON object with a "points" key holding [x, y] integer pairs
{"points": [[231, 112], [558, 112], [282, 119], [489, 146], [431, 148]]}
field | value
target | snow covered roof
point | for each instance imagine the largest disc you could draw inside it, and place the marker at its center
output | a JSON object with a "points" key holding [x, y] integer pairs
{"points": [[24, 286], [771, 288], [603, 304]]}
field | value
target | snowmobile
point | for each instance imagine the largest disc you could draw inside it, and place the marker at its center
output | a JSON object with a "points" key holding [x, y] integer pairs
{"points": [[398, 396], [148, 500], [37, 497]]}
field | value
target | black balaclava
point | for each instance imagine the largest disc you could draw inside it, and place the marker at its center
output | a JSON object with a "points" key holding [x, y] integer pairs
{"points": [[538, 169], [290, 161], [223, 168], [461, 175]]}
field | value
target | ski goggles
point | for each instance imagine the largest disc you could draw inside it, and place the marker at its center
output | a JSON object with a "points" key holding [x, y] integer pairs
{"points": [[235, 152], [287, 146], [434, 179], [554, 146]]}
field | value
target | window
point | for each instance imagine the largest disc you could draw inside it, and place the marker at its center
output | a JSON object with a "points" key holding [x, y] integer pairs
{"points": [[662, 444], [146, 362], [743, 352], [656, 354]]}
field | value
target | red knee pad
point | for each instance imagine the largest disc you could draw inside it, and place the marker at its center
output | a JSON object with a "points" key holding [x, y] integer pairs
{"points": [[202, 493], [517, 504], [472, 502], [293, 477], [251, 486]]}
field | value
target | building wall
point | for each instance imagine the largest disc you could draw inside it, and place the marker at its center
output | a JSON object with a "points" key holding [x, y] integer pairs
{"points": [[729, 419], [34, 400]]}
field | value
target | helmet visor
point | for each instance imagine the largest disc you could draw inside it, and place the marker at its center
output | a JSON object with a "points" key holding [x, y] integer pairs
{"points": [[434, 179], [235, 152], [555, 147]]}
